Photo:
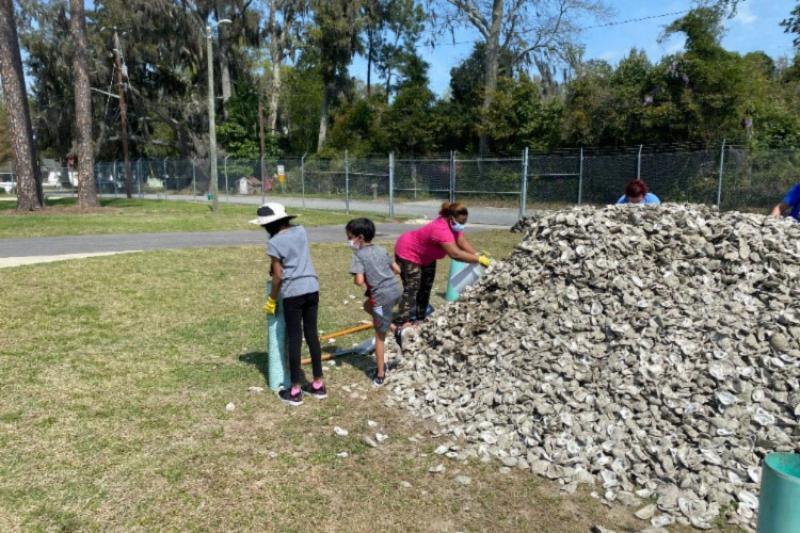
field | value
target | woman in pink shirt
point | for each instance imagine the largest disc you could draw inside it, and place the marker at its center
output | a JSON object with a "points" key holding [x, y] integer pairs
{"points": [[418, 250]]}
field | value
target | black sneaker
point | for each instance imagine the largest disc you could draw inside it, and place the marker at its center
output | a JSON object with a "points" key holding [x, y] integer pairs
{"points": [[320, 393], [288, 398]]}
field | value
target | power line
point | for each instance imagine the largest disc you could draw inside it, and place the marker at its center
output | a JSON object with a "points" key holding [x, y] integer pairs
{"points": [[640, 19], [607, 25]]}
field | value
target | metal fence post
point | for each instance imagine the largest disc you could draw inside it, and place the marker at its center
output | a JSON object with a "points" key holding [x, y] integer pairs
{"points": [[114, 175], [194, 178], [139, 181], [639, 164], [346, 183], [303, 178], [523, 189], [580, 179], [721, 172], [262, 170], [452, 176], [225, 170], [391, 184]]}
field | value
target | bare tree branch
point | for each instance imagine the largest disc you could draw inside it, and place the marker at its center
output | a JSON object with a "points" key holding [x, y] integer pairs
{"points": [[473, 14]]}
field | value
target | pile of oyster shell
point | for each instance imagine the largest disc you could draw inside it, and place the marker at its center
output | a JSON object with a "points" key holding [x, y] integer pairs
{"points": [[653, 353]]}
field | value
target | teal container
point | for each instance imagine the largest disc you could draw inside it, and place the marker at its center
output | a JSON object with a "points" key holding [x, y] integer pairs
{"points": [[277, 367], [779, 503], [455, 267]]}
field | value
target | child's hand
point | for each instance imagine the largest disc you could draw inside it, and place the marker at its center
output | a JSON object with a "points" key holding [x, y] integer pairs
{"points": [[270, 306]]}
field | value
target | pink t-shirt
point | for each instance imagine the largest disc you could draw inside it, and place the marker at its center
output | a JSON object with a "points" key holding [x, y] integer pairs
{"points": [[423, 246]]}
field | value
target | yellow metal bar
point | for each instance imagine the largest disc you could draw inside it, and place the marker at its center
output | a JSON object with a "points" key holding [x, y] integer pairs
{"points": [[347, 331]]}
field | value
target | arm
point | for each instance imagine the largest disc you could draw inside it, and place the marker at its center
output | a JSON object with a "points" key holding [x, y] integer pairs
{"points": [[395, 268], [277, 276], [464, 244], [360, 280], [457, 253], [779, 209]]}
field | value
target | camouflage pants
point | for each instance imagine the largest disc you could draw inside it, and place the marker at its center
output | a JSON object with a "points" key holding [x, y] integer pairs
{"points": [[417, 286]]}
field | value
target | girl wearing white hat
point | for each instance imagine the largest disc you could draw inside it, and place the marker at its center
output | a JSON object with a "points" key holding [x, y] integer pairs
{"points": [[295, 281]]}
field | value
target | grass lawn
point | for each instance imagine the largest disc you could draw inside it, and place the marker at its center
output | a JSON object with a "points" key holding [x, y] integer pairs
{"points": [[116, 372], [119, 215]]}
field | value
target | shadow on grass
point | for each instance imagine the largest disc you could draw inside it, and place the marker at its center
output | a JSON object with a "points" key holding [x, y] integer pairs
{"points": [[260, 360]]}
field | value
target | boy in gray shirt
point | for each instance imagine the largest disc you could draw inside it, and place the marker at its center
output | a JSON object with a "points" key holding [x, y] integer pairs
{"points": [[373, 268]]}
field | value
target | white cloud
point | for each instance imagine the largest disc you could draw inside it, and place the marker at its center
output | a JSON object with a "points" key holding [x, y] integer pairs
{"points": [[744, 16]]}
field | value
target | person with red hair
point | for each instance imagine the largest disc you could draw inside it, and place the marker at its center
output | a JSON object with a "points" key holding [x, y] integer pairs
{"points": [[637, 192]]}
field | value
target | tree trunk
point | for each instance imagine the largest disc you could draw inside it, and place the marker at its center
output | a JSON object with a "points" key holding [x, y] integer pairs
{"points": [[369, 61], [323, 117], [274, 94], [261, 143], [227, 88], [490, 72], [87, 193], [123, 115], [29, 188]]}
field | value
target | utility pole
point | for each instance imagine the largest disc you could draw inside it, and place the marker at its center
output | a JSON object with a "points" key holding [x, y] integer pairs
{"points": [[212, 128], [123, 112]]}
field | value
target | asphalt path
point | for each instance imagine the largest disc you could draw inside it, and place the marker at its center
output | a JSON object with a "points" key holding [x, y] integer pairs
{"points": [[429, 209], [15, 252]]}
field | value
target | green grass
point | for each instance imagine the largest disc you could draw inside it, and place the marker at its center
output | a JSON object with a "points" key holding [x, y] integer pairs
{"points": [[118, 215], [116, 374]]}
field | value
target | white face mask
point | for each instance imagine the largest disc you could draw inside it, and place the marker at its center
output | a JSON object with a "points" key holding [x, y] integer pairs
{"points": [[353, 245]]}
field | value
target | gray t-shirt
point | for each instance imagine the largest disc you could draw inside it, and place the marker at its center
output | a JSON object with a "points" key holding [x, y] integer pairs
{"points": [[291, 247], [376, 265]]}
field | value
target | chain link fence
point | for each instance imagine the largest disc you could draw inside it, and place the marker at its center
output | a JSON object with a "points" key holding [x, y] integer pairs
{"points": [[730, 176]]}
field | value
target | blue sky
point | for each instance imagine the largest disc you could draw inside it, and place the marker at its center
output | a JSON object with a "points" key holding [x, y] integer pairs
{"points": [[755, 27]]}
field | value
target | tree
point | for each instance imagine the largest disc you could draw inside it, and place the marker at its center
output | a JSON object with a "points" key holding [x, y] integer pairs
{"points": [[87, 192], [400, 29], [360, 127], [374, 19], [336, 36], [534, 30], [237, 134], [304, 90], [6, 152], [409, 121], [706, 84], [462, 114], [282, 28], [29, 188], [791, 24]]}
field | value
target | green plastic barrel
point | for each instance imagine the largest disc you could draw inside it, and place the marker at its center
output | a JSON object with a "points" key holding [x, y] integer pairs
{"points": [[779, 503], [455, 267]]}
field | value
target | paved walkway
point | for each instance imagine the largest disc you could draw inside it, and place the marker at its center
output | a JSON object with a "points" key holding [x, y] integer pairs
{"points": [[496, 216], [16, 252]]}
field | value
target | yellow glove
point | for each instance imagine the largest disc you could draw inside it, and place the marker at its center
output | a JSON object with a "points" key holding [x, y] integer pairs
{"points": [[270, 306], [484, 261]]}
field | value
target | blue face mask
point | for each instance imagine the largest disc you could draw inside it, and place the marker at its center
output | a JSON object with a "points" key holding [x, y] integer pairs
{"points": [[458, 227]]}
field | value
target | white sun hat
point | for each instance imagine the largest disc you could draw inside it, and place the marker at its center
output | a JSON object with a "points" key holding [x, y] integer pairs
{"points": [[270, 212]]}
